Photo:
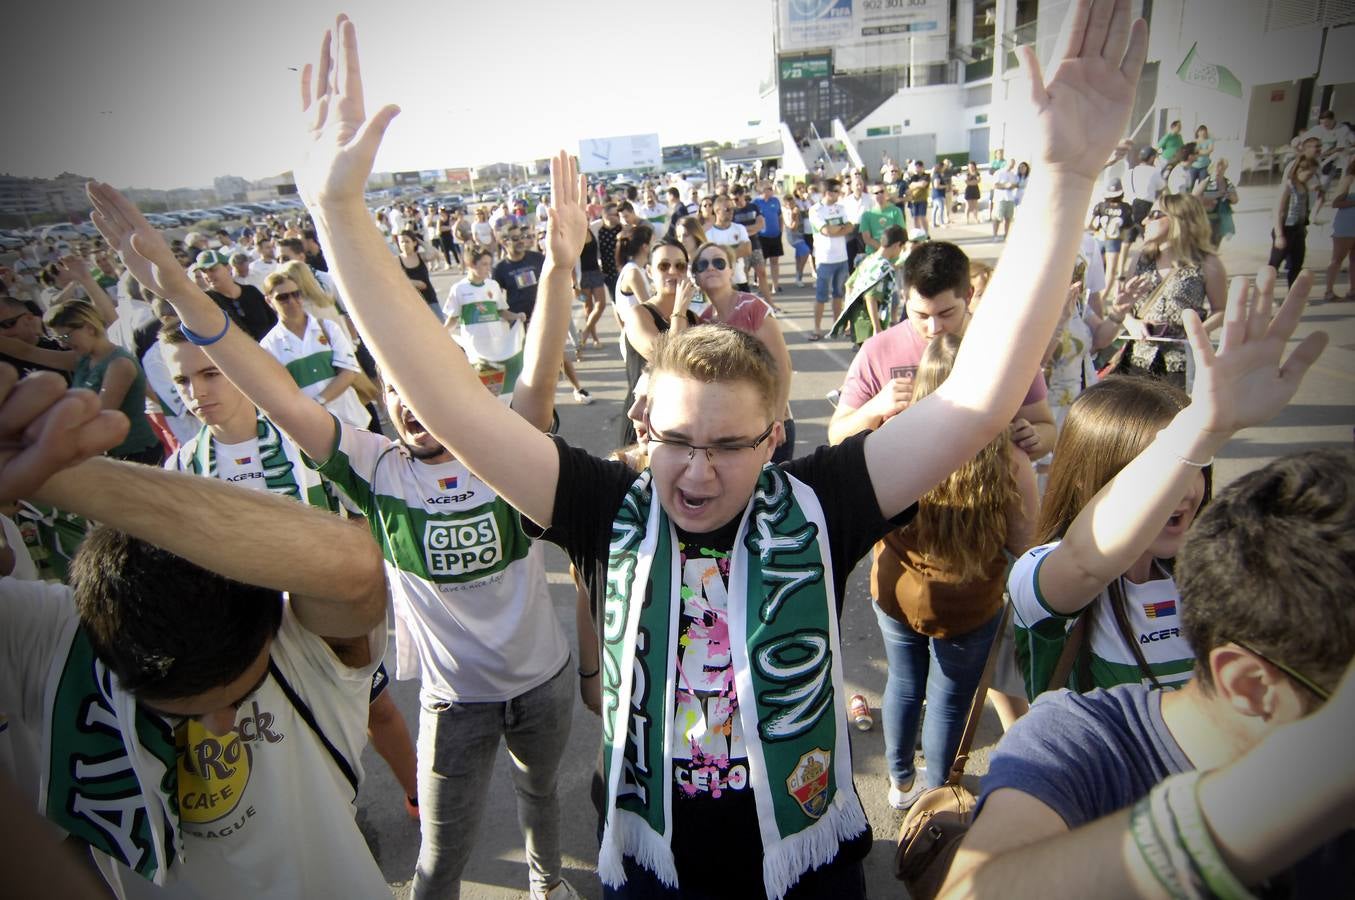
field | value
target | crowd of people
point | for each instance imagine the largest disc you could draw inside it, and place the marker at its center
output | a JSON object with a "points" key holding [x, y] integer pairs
{"points": [[196, 638]]}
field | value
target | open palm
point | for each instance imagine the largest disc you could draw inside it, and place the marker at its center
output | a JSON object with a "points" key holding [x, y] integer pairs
{"points": [[1082, 111], [567, 224], [140, 245], [1246, 382], [342, 142]]}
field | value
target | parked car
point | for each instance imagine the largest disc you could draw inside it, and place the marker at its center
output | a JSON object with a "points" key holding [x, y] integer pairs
{"points": [[62, 231], [160, 220]]}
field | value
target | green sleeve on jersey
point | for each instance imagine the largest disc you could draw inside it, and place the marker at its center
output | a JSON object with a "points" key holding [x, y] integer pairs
{"points": [[338, 469], [1040, 643]]}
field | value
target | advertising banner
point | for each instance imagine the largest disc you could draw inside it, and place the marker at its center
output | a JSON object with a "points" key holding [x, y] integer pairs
{"points": [[613, 154], [866, 34]]}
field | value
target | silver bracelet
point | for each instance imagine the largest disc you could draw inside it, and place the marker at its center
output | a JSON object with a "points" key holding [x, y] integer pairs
{"points": [[1197, 465]]}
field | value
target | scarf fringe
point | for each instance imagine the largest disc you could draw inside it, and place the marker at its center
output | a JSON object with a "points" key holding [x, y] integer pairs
{"points": [[817, 845], [630, 835]]}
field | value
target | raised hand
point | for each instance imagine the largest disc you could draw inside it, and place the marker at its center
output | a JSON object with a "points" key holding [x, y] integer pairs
{"points": [[1245, 382], [71, 269], [141, 246], [45, 428], [1082, 110], [342, 141], [567, 222]]}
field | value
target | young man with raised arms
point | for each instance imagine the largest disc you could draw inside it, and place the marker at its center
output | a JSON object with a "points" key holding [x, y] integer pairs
{"points": [[473, 613], [250, 633], [718, 577]]}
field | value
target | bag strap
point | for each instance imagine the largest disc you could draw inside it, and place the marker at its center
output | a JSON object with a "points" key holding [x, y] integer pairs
{"points": [[1072, 643], [1117, 602], [976, 705]]}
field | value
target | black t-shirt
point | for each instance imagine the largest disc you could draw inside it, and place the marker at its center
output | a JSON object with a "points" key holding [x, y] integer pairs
{"points": [[679, 213], [714, 815], [250, 311], [519, 280], [607, 236], [317, 261], [24, 368], [747, 216], [144, 337]]}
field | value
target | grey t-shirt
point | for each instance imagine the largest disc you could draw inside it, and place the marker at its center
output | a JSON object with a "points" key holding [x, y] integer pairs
{"points": [[1086, 756]]}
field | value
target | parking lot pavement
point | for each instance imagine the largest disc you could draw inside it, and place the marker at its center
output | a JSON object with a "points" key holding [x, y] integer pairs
{"points": [[1321, 415]]}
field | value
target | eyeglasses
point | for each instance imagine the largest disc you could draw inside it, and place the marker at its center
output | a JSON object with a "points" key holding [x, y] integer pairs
{"points": [[719, 262], [666, 266], [1157, 214], [1320, 692], [287, 296], [11, 321], [716, 454]]}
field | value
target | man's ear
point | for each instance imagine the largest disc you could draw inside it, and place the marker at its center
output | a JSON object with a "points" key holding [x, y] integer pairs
{"points": [[1253, 687]]}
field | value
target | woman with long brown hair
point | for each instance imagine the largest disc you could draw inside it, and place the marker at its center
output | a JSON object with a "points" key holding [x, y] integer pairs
{"points": [[1176, 270], [937, 585], [1131, 470]]}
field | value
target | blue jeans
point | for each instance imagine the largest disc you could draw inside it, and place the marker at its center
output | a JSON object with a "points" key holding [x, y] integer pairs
{"points": [[457, 746], [832, 280], [944, 670]]}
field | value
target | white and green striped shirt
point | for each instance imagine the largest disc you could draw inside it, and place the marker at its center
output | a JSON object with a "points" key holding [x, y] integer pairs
{"points": [[1152, 612], [314, 359], [472, 611]]}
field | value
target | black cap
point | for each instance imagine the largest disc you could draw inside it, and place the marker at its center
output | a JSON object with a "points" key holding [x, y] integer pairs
{"points": [[1147, 154]]}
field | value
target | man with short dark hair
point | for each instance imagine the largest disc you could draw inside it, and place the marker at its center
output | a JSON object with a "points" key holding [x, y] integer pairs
{"points": [[728, 233], [1172, 141], [769, 237], [879, 384], [828, 221], [519, 272], [249, 634], [749, 215], [244, 303], [1256, 719]]}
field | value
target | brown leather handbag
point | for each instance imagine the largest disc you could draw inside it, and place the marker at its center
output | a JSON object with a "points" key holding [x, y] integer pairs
{"points": [[931, 832]]}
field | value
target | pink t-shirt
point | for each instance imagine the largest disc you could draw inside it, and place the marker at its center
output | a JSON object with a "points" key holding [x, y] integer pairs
{"points": [[747, 316], [895, 353]]}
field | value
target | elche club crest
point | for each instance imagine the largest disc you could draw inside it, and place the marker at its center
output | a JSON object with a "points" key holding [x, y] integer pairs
{"points": [[808, 781]]}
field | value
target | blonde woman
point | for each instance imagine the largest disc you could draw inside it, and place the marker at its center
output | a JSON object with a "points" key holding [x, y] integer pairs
{"points": [[317, 353], [1176, 270], [937, 585], [314, 298]]}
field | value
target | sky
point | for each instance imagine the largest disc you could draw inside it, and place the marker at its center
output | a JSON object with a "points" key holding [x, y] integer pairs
{"points": [[172, 93]]}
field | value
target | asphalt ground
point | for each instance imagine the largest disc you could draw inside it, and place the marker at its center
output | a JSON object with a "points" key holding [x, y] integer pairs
{"points": [[1323, 414]]}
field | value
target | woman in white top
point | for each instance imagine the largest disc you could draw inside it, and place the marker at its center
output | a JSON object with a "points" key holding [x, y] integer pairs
{"points": [[477, 306], [633, 286], [316, 352]]}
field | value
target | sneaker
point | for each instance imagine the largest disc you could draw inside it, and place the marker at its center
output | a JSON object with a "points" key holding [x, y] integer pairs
{"points": [[582, 396], [905, 798], [833, 396], [780, 289], [563, 890]]}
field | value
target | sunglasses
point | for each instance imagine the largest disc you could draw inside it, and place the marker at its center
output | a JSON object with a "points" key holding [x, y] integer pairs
{"points": [[719, 263], [286, 296], [1157, 214], [666, 266]]}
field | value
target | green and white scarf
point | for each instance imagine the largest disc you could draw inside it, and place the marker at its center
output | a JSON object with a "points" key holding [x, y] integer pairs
{"points": [[783, 636], [283, 473], [874, 270], [110, 773]]}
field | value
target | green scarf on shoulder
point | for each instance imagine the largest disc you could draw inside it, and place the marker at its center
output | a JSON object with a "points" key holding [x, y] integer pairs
{"points": [[783, 638]]}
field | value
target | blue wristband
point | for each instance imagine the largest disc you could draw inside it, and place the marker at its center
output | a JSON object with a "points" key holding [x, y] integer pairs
{"points": [[201, 341]]}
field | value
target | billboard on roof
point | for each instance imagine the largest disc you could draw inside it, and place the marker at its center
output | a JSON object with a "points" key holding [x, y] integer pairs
{"points": [[866, 34], [614, 154]]}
